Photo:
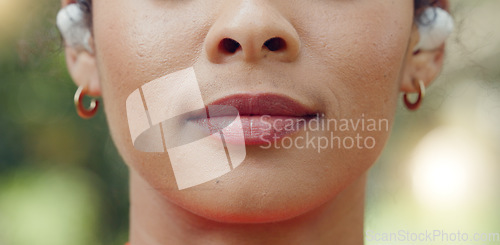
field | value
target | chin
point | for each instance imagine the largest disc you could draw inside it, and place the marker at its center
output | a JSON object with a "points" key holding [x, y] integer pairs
{"points": [[265, 188]]}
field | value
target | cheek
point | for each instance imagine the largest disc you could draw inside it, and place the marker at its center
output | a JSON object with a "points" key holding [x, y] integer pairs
{"points": [[137, 43], [363, 60], [140, 42], [363, 49]]}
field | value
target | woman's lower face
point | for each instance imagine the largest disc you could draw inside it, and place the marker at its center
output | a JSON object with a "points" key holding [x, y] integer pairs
{"points": [[341, 59]]}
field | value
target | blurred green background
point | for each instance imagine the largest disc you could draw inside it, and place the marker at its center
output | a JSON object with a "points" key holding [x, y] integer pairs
{"points": [[62, 181], [61, 178]]}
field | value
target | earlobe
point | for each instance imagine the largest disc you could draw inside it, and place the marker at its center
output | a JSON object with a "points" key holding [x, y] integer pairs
{"points": [[426, 50], [73, 24], [425, 66], [83, 69]]}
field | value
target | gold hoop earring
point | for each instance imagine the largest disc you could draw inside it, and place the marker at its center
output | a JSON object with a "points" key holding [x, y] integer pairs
{"points": [[80, 109], [415, 105]]}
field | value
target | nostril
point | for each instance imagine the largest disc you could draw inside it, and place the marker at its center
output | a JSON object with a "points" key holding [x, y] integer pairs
{"points": [[275, 44], [229, 45]]}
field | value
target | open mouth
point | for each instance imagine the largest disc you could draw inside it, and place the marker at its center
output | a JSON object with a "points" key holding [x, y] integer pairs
{"points": [[264, 117]]}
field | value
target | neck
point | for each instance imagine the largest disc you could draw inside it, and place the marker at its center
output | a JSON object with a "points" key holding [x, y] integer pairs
{"points": [[155, 220]]}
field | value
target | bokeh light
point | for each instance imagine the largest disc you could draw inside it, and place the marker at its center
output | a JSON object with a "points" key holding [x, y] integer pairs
{"points": [[446, 168]]}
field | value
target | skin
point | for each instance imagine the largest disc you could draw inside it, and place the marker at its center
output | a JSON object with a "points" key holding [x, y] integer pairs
{"points": [[343, 58]]}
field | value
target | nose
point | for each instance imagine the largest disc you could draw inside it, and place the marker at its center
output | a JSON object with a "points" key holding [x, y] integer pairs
{"points": [[251, 30]]}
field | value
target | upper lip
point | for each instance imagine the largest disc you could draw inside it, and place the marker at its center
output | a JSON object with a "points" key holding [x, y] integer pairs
{"points": [[265, 104]]}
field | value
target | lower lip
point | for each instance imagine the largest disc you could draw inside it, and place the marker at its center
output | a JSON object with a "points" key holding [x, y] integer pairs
{"points": [[257, 130]]}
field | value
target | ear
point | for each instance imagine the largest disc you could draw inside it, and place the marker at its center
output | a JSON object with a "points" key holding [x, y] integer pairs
{"points": [[422, 65], [82, 65]]}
